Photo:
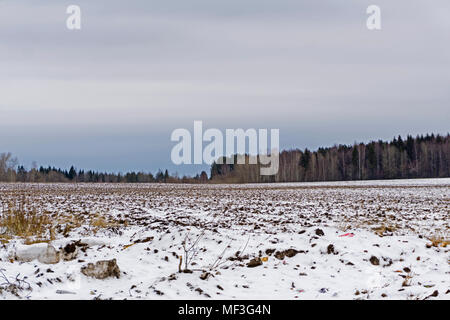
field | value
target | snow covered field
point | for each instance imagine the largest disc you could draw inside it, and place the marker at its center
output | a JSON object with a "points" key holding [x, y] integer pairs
{"points": [[337, 240]]}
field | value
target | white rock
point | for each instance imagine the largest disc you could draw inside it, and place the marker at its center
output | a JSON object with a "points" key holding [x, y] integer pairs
{"points": [[49, 256], [43, 252], [27, 253]]}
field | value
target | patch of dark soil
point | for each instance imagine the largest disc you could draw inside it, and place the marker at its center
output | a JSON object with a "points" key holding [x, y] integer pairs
{"points": [[254, 263]]}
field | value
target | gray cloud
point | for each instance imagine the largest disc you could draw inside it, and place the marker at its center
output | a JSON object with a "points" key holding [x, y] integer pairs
{"points": [[136, 71]]}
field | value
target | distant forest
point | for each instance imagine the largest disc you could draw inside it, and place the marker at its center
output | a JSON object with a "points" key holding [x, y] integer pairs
{"points": [[421, 157], [10, 171]]}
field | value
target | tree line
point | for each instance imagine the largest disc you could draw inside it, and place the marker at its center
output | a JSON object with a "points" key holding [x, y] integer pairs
{"points": [[420, 157], [10, 171]]}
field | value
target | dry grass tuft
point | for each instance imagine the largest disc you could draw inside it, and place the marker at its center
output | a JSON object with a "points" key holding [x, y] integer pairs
{"points": [[17, 221], [439, 240], [384, 230], [67, 223], [100, 222], [407, 280]]}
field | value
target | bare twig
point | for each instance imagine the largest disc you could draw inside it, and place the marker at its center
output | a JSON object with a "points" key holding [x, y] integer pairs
{"points": [[190, 248], [219, 261]]}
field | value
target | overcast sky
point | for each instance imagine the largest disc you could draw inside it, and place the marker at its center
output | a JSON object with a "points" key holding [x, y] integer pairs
{"points": [[108, 96]]}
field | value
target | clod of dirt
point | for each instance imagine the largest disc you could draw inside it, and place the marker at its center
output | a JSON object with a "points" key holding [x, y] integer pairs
{"points": [[254, 263], [286, 253], [102, 269], [204, 275], [238, 258], [330, 249], [434, 294], [290, 253], [69, 252], [70, 247], [199, 290], [172, 277], [148, 239], [159, 293], [319, 232], [270, 251], [374, 260], [407, 270]]}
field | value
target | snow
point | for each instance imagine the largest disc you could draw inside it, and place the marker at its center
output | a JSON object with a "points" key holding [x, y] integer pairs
{"points": [[246, 218]]}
